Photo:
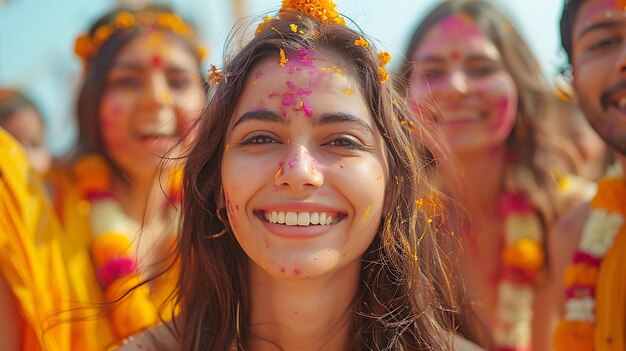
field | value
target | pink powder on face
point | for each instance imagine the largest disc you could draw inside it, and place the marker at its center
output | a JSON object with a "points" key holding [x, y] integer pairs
{"points": [[259, 74], [301, 92], [292, 163], [308, 111], [290, 84], [296, 271], [282, 269], [287, 100], [459, 24]]}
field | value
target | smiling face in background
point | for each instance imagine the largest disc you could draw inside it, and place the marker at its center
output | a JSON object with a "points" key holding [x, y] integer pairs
{"points": [[599, 68], [459, 70], [302, 149], [154, 91]]}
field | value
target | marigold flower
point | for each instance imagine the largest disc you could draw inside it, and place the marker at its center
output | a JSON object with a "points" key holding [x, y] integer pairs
{"points": [[580, 274], [525, 254], [109, 246], [92, 175], [124, 20], [384, 76], [320, 10], [610, 196], [83, 47], [102, 34], [384, 57], [361, 42]]}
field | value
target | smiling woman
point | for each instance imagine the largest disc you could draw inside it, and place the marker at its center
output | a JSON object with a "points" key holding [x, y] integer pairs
{"points": [[304, 223]]}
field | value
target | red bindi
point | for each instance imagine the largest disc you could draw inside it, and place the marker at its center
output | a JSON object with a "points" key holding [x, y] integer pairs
{"points": [[156, 61], [455, 56]]}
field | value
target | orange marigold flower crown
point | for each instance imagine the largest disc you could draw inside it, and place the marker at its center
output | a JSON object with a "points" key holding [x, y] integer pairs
{"points": [[87, 45], [322, 11]]}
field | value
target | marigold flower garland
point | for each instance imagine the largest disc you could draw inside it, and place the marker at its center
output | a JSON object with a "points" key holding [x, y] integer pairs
{"points": [[576, 330], [521, 262], [111, 250]]}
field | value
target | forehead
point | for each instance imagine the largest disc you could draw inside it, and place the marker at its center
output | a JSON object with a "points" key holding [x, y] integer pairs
{"points": [[150, 42], [456, 33], [594, 11], [309, 83]]}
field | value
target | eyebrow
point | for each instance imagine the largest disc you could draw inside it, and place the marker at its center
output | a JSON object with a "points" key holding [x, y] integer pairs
{"points": [[599, 25], [341, 117], [325, 119], [170, 67], [260, 116], [430, 58]]}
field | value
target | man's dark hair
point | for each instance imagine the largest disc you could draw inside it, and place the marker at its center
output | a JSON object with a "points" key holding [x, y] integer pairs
{"points": [[568, 16]]}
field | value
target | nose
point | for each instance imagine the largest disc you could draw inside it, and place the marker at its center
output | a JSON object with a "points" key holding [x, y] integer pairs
{"points": [[459, 82], [157, 93], [299, 171]]}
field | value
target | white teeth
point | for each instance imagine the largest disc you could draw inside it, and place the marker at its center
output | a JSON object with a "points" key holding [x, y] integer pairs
{"points": [[323, 218], [281, 217], [298, 218], [315, 218], [291, 218], [303, 218]]}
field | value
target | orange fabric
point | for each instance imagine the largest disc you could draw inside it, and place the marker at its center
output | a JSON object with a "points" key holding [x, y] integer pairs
{"points": [[30, 245], [611, 297]]}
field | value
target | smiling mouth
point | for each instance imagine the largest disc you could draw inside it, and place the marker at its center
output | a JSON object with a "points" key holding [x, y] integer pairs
{"points": [[302, 219]]}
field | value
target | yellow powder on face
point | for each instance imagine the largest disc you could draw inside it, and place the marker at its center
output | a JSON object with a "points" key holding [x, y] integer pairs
{"points": [[283, 58]]}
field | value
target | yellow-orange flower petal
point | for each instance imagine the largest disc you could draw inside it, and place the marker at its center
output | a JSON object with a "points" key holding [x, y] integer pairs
{"points": [[384, 57], [321, 10], [384, 76], [525, 254], [109, 246], [361, 42], [124, 20], [580, 274], [283, 58], [83, 47]]}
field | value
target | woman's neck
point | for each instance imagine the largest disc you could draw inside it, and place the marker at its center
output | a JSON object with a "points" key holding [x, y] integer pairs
{"points": [[482, 177], [140, 199], [312, 314]]}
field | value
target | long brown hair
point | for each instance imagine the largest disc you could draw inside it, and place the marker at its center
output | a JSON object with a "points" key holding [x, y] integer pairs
{"points": [[407, 298], [538, 154]]}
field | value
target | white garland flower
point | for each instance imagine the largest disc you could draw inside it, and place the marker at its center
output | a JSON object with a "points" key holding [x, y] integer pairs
{"points": [[107, 215], [600, 231], [514, 302], [523, 226], [580, 309], [516, 335]]}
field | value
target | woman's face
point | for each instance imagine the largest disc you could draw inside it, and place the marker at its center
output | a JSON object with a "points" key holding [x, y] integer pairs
{"points": [[153, 92], [461, 72], [304, 170]]}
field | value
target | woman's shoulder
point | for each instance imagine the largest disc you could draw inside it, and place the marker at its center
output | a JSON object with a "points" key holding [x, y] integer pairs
{"points": [[160, 338]]}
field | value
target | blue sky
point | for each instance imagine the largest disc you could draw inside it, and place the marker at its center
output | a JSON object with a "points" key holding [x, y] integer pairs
{"points": [[37, 38]]}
